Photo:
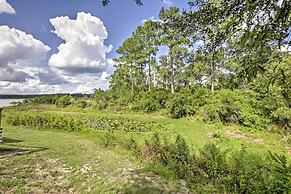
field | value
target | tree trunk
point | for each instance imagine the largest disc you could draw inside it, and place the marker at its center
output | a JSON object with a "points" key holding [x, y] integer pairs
{"points": [[212, 74], [150, 76], [131, 75], [142, 78], [171, 73], [155, 81]]}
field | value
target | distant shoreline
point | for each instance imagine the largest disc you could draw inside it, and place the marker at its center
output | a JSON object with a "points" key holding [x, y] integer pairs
{"points": [[24, 96], [7, 102]]}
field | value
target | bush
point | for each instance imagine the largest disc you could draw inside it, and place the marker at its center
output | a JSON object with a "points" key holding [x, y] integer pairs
{"points": [[216, 170], [81, 103], [282, 117], [235, 107], [151, 101], [119, 123], [64, 101], [44, 120], [186, 102], [108, 139]]}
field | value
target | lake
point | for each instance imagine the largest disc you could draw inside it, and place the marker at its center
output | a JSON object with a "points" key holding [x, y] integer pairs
{"points": [[6, 102]]}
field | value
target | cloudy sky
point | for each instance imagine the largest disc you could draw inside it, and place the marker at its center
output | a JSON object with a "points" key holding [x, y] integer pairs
{"points": [[55, 46]]}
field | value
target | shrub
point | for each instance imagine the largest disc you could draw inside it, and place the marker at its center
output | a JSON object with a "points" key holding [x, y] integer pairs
{"points": [[220, 170], [235, 107], [119, 123], [282, 117], [64, 101], [151, 101], [81, 103], [186, 102], [44, 120], [108, 139]]}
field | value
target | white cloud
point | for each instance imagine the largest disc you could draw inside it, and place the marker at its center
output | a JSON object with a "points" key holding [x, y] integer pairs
{"points": [[11, 75], [84, 50], [18, 51], [6, 7], [152, 18], [168, 2], [80, 65]]}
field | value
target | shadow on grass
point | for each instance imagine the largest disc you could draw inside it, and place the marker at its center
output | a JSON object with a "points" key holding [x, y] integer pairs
{"points": [[7, 140], [7, 151]]}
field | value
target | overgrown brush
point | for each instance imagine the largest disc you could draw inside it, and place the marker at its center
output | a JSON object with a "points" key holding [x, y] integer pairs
{"points": [[44, 120], [120, 123], [218, 170], [66, 121]]}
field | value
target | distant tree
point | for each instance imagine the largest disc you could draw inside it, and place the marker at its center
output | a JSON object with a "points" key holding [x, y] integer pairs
{"points": [[171, 36]]}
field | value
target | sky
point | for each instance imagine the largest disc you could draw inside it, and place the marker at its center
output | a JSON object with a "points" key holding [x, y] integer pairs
{"points": [[66, 46]]}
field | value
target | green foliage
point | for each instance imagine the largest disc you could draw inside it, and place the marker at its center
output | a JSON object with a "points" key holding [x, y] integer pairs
{"points": [[64, 101], [151, 101], [80, 121], [108, 139], [120, 123], [226, 170], [186, 102], [282, 117], [81, 103], [45, 99], [235, 107], [44, 120]]}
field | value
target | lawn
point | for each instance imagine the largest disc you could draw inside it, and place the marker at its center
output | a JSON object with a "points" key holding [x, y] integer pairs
{"points": [[41, 161]]}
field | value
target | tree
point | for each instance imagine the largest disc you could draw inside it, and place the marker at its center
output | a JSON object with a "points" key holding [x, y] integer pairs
{"points": [[172, 37], [126, 69], [146, 37], [255, 27]]}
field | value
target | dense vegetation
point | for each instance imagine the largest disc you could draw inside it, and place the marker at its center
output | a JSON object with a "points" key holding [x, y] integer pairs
{"points": [[208, 169], [71, 122], [226, 62]]}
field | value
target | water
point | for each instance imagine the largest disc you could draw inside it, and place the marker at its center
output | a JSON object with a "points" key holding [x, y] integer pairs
{"points": [[7, 102]]}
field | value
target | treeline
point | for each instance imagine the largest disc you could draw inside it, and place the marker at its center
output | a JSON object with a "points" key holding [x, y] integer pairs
{"points": [[240, 107], [240, 51], [23, 96], [226, 61], [60, 100]]}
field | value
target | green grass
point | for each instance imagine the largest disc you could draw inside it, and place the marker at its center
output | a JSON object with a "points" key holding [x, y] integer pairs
{"points": [[92, 168], [197, 133], [60, 161]]}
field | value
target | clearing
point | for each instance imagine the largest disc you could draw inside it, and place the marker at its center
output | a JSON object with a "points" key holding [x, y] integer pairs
{"points": [[35, 161]]}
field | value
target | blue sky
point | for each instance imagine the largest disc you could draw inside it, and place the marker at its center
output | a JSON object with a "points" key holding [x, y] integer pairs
{"points": [[120, 17], [32, 17]]}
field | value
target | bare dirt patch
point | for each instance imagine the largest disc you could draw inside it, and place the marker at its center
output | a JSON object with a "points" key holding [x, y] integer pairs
{"points": [[34, 173], [242, 136]]}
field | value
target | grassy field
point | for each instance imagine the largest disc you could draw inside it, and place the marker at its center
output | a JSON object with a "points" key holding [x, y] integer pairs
{"points": [[35, 161], [198, 133], [54, 161]]}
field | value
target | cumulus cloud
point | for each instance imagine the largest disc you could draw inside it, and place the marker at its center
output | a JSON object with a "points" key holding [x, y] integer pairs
{"points": [[18, 51], [50, 78], [6, 7], [80, 65], [11, 75], [84, 50]]}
